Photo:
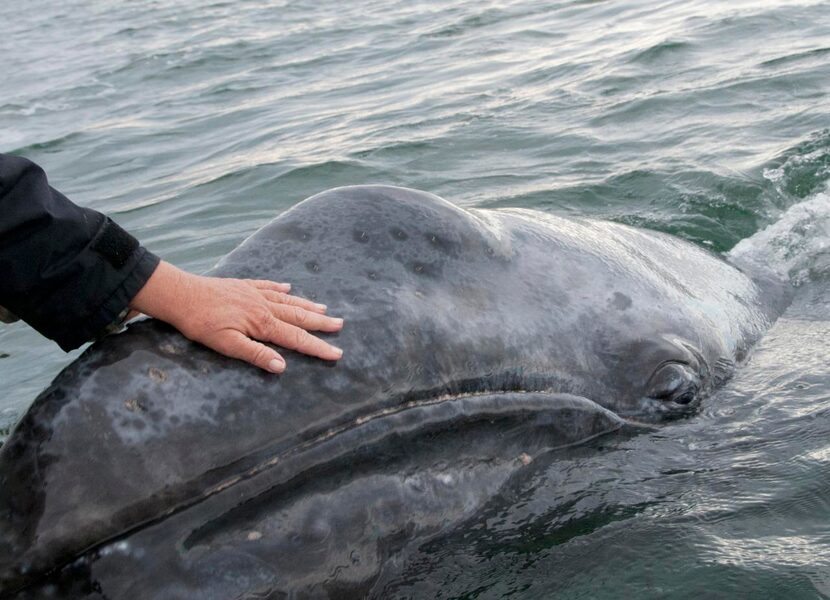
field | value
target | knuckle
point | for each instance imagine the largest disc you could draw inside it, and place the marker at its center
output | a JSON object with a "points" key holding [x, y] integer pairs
{"points": [[260, 355], [300, 338], [300, 315], [279, 333], [262, 315], [269, 329]]}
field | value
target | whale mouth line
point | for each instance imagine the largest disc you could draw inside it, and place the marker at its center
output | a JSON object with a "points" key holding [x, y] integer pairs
{"points": [[336, 444], [452, 397], [368, 430], [400, 409], [537, 418]]}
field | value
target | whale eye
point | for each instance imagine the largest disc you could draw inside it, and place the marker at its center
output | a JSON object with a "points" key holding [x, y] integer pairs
{"points": [[673, 382]]}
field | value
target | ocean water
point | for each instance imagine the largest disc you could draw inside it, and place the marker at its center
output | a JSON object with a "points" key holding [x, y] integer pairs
{"points": [[194, 123]]}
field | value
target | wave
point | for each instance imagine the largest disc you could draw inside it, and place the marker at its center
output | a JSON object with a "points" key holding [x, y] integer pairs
{"points": [[797, 246]]}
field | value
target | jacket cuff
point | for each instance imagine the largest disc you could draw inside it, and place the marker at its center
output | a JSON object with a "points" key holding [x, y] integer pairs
{"points": [[123, 267], [110, 316]]}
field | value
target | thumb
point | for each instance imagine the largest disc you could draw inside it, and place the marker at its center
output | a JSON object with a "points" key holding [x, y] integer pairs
{"points": [[237, 345]]}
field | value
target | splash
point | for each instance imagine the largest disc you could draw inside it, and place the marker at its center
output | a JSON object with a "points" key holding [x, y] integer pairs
{"points": [[797, 246]]}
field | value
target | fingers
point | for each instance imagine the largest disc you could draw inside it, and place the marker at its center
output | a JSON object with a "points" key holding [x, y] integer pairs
{"points": [[236, 345], [264, 284], [278, 292], [281, 298], [310, 321], [295, 338]]}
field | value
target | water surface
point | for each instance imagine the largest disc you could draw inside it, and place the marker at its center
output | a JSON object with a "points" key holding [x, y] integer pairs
{"points": [[194, 123]]}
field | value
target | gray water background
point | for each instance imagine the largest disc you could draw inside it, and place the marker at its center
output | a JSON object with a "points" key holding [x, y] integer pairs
{"points": [[194, 123]]}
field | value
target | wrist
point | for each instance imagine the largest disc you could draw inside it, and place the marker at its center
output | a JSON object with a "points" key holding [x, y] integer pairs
{"points": [[165, 295]]}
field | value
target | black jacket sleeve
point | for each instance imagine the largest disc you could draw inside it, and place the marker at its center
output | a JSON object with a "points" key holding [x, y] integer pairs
{"points": [[68, 271]]}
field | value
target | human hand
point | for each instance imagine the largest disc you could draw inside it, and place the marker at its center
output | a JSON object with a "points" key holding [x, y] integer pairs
{"points": [[230, 315]]}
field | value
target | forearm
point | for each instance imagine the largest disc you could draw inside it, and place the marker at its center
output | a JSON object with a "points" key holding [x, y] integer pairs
{"points": [[68, 271]]}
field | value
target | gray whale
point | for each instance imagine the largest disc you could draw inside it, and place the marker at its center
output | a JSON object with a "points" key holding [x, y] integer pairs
{"points": [[474, 340]]}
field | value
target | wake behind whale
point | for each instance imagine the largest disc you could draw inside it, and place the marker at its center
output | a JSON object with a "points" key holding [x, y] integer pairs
{"points": [[475, 340]]}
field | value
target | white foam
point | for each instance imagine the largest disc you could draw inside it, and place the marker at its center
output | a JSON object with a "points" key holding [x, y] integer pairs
{"points": [[794, 245]]}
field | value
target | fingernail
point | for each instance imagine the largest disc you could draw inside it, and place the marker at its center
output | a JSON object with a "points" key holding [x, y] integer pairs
{"points": [[338, 322], [339, 352], [320, 306], [277, 365]]}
